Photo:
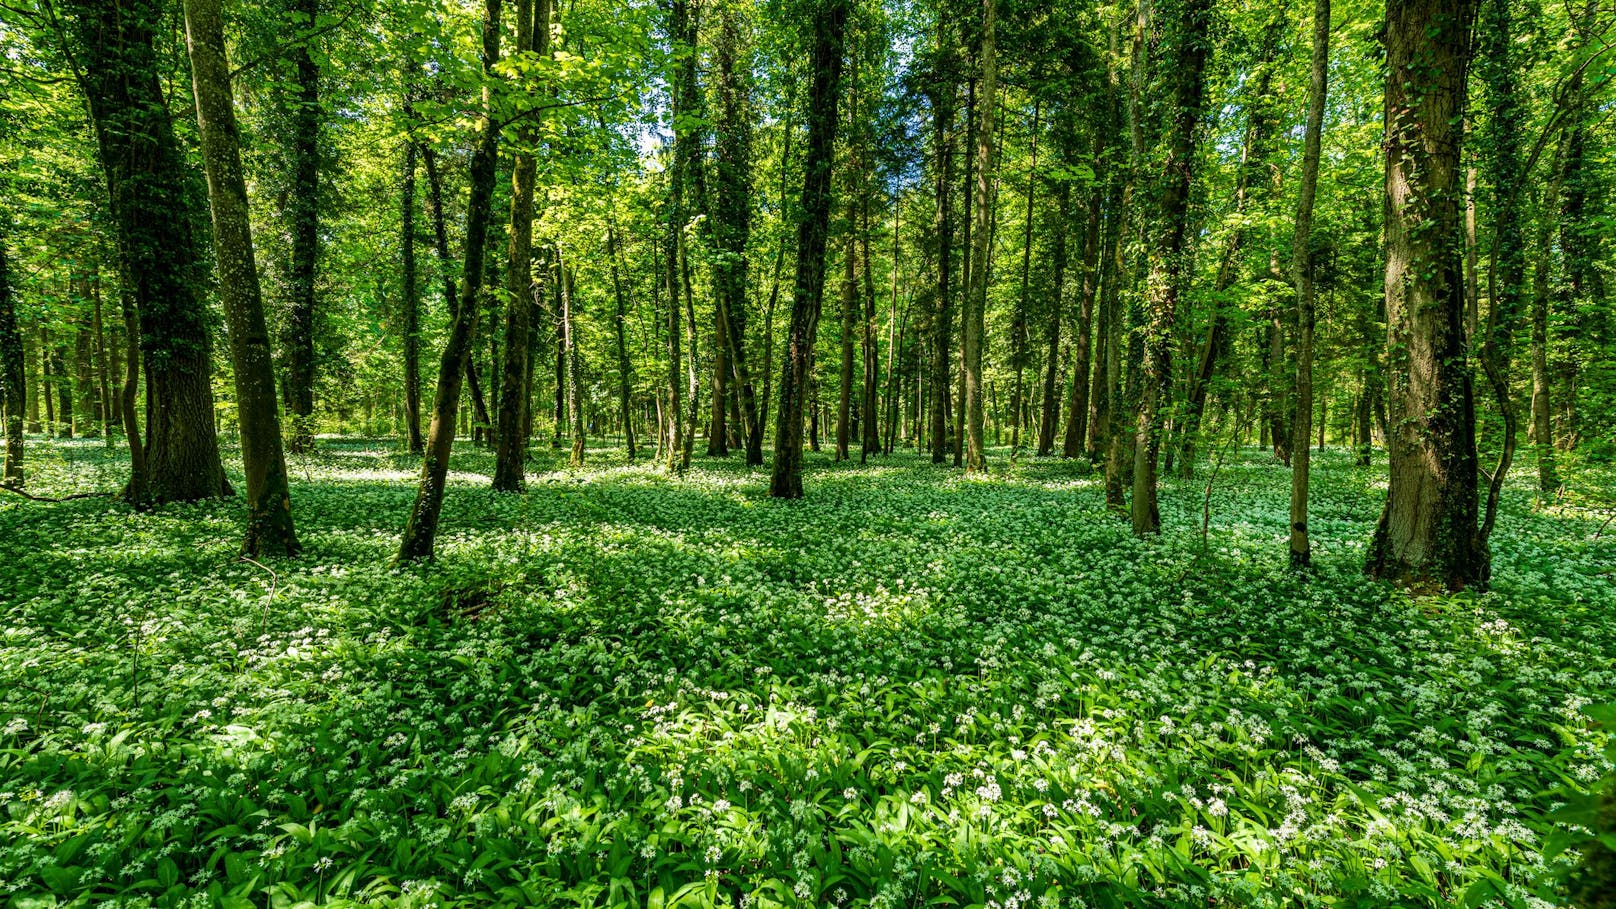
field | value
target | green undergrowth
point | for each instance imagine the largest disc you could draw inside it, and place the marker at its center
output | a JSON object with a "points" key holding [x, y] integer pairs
{"points": [[911, 688]]}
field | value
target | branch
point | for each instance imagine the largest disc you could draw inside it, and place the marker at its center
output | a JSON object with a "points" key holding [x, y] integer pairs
{"points": [[299, 40], [77, 495]]}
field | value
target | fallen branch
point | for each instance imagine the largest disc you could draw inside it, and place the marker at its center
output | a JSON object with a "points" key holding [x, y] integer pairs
{"points": [[77, 495]]}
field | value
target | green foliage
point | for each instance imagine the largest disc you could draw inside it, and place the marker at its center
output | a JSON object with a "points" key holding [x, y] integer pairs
{"points": [[908, 689]]}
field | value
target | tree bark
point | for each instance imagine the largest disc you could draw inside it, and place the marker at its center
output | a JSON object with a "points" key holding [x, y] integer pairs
{"points": [[510, 451], [1301, 553], [981, 248], [412, 303], [420, 532], [146, 180], [1427, 534], [13, 394], [943, 93], [813, 227], [303, 215], [269, 502], [1166, 252], [625, 370]]}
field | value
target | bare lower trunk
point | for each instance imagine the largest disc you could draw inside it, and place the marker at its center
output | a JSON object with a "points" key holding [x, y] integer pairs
{"points": [[269, 502], [1301, 553], [420, 533]]}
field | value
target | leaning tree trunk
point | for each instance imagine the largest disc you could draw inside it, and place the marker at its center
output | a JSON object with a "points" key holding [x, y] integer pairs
{"points": [[269, 500], [981, 247], [510, 451], [813, 226], [303, 213], [1428, 534], [1302, 270], [1166, 255], [14, 398], [420, 532], [160, 263]]}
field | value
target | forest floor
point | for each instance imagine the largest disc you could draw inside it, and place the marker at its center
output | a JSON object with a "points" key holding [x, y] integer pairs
{"points": [[910, 688]]}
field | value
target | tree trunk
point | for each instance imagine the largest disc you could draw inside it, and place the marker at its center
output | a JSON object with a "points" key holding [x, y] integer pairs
{"points": [[981, 247], [625, 371], [269, 502], [732, 229], [830, 25], [682, 31], [1078, 405], [575, 385], [1301, 553], [1166, 252], [13, 395], [941, 341], [451, 294], [1548, 475], [420, 533], [145, 170], [303, 213], [870, 424], [1428, 532], [510, 452], [849, 326], [1018, 318], [412, 304]]}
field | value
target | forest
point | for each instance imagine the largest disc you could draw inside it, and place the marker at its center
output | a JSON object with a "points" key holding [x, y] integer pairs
{"points": [[773, 453]]}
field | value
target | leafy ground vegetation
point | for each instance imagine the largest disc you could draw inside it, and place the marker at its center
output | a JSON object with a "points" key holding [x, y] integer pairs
{"points": [[911, 688]]}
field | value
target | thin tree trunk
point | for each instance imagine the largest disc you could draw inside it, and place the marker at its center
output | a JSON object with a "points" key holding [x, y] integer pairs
{"points": [[1301, 553], [1018, 318], [982, 250], [13, 400], [575, 384], [269, 502], [412, 304], [625, 371], [510, 451], [304, 216], [943, 226], [420, 533]]}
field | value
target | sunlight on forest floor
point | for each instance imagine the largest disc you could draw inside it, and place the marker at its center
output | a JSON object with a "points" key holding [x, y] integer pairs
{"points": [[910, 688]]}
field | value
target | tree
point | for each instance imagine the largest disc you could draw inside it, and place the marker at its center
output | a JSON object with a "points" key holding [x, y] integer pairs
{"points": [[981, 249], [160, 264], [412, 302], [269, 501], [1301, 553], [532, 36], [303, 216], [420, 532], [1427, 534], [942, 86], [732, 222], [813, 227], [13, 395], [1190, 24]]}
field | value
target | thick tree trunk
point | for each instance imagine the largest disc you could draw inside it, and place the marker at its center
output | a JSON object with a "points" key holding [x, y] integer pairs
{"points": [[682, 29], [813, 226], [269, 501], [510, 452], [1301, 553], [1428, 532], [161, 264], [303, 213], [1166, 252], [420, 533]]}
